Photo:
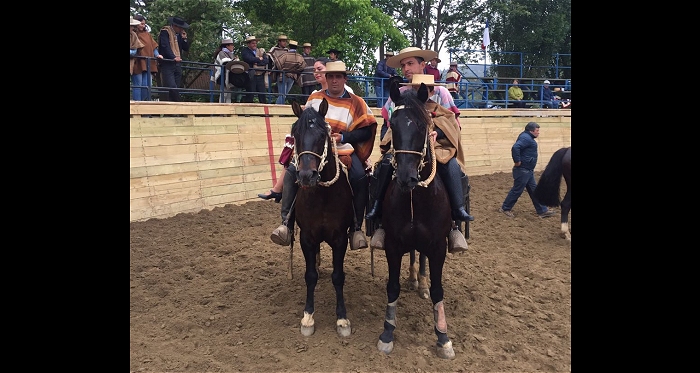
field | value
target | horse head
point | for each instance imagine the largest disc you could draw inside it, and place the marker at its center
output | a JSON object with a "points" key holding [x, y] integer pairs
{"points": [[409, 134], [311, 142]]}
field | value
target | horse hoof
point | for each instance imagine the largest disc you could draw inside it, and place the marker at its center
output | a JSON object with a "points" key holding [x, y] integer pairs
{"points": [[446, 351], [385, 347], [412, 285], [424, 293], [307, 331], [343, 327]]}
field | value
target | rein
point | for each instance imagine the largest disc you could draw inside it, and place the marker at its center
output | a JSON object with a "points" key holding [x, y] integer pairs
{"points": [[323, 161], [422, 153]]}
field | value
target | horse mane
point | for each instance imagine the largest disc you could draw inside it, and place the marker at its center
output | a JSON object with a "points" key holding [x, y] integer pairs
{"points": [[307, 116], [412, 102]]}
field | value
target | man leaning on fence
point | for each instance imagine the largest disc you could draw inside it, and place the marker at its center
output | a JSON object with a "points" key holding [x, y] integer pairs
{"points": [[172, 40]]}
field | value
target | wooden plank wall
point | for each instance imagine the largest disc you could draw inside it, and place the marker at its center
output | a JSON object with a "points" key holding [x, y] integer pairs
{"points": [[185, 157]]}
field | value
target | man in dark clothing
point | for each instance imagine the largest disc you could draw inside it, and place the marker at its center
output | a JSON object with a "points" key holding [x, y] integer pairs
{"points": [[257, 60], [172, 40], [524, 153], [381, 86]]}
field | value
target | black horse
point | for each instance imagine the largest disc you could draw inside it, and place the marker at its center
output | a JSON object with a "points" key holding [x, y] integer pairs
{"points": [[323, 207], [547, 191], [420, 217]]}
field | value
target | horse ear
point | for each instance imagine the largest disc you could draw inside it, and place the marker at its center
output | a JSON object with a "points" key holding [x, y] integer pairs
{"points": [[323, 108], [423, 92], [296, 109], [394, 92]]}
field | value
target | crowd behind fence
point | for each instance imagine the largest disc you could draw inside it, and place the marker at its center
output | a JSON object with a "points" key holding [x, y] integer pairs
{"points": [[473, 91]]}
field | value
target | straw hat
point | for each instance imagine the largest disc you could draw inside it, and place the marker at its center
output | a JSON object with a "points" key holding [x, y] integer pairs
{"points": [[389, 54], [134, 22], [337, 67], [427, 79], [237, 66], [306, 45], [226, 42], [292, 43], [453, 63], [395, 61], [282, 37], [250, 38]]}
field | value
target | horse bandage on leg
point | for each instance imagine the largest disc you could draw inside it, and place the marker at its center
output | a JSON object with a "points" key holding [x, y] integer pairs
{"points": [[439, 317], [390, 315]]}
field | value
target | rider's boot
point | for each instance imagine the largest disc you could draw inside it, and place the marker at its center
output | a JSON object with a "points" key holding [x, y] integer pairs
{"points": [[282, 235], [360, 194], [384, 173], [451, 176]]}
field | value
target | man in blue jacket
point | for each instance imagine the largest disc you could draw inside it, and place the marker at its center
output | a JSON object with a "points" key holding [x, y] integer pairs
{"points": [[381, 86], [524, 153]]}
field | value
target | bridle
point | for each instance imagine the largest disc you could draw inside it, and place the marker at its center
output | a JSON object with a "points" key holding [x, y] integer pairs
{"points": [[422, 154], [322, 157]]}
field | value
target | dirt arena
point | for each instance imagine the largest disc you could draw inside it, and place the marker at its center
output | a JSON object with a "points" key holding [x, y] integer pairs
{"points": [[209, 293]]}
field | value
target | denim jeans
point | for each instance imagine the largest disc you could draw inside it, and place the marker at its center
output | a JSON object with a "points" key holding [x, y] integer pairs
{"points": [[141, 79], [522, 179], [382, 95], [283, 87]]}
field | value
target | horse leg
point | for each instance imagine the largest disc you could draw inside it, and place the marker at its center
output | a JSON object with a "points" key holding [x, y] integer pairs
{"points": [[311, 278], [565, 208], [342, 324], [393, 289], [412, 283], [444, 345], [423, 291]]}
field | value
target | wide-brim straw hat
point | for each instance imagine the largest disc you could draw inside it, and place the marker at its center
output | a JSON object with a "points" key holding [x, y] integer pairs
{"points": [[292, 43], [337, 67], [426, 55], [282, 37], [250, 38], [390, 54], [237, 66], [427, 79], [306, 45], [134, 22]]}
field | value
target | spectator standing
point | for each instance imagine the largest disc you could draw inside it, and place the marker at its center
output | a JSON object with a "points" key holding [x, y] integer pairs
{"points": [[238, 78], [287, 76], [382, 74], [222, 55], [142, 76], [275, 53], [547, 97], [172, 41], [135, 44], [515, 95], [352, 127], [431, 68], [333, 55], [308, 82], [258, 61], [453, 78], [524, 154]]}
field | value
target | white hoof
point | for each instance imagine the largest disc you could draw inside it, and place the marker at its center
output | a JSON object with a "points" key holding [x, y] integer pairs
{"points": [[424, 293], [343, 328], [307, 324], [307, 331], [385, 347], [446, 351]]}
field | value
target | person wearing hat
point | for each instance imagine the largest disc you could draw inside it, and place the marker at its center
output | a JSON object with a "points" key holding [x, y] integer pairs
{"points": [[289, 65], [382, 74], [308, 82], [222, 55], [412, 61], [135, 44], [333, 54], [144, 68], [453, 76], [258, 61], [547, 97], [353, 128], [431, 68], [172, 41]]}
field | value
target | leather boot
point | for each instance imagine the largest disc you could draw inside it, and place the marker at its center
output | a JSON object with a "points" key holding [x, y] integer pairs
{"points": [[282, 235], [360, 195], [451, 176], [383, 178]]}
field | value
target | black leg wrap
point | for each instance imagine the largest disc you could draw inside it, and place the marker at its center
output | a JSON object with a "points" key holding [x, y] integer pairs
{"points": [[289, 192], [384, 173]]}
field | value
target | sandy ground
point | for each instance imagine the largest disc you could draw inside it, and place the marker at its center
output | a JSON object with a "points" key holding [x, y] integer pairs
{"points": [[209, 293]]}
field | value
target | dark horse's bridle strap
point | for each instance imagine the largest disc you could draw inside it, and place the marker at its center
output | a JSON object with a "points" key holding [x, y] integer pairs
{"points": [[422, 153]]}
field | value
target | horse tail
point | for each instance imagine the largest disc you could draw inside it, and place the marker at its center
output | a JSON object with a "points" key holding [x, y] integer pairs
{"points": [[547, 191]]}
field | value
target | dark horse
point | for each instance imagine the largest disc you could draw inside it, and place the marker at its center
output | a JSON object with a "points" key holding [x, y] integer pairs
{"points": [[323, 207], [420, 216], [547, 191]]}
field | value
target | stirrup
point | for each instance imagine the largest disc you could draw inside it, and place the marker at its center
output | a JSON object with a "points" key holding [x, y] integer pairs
{"points": [[456, 242], [377, 241], [358, 240], [281, 236]]}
